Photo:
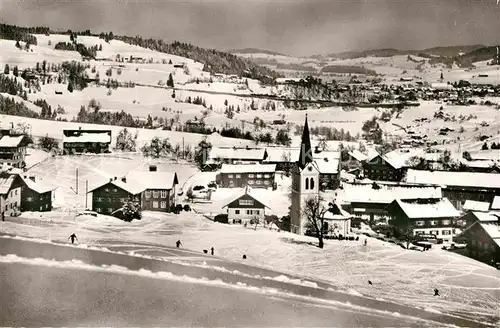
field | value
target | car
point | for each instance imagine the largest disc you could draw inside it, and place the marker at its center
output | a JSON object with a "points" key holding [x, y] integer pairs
{"points": [[86, 212]]}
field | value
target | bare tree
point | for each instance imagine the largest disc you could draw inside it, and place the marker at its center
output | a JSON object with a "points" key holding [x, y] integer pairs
{"points": [[314, 211]]}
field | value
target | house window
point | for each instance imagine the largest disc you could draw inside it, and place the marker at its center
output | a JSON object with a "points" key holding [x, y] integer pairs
{"points": [[29, 199], [98, 209], [251, 175], [249, 212], [312, 183], [307, 183], [258, 182], [163, 204], [238, 176], [267, 176], [245, 201], [106, 190], [156, 194], [163, 194], [250, 181], [446, 232], [419, 223], [148, 194], [433, 222], [115, 190], [15, 192], [41, 208], [110, 210], [257, 212], [236, 211], [481, 197], [230, 176], [231, 182], [259, 176], [446, 222], [266, 182], [155, 204]]}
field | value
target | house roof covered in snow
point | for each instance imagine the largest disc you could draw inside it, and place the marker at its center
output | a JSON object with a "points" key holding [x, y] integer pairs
{"points": [[327, 165], [456, 179], [154, 179], [11, 141], [37, 186], [129, 185], [486, 216], [103, 137], [236, 153], [336, 213], [356, 154], [398, 158], [493, 230], [495, 204], [442, 208], [365, 193], [472, 205], [279, 154], [248, 168], [247, 191]]}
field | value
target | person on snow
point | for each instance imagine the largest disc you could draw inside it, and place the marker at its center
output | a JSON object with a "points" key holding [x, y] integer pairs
{"points": [[178, 243], [212, 251], [73, 237], [436, 292]]}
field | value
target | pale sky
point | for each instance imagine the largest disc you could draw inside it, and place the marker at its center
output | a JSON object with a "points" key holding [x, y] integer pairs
{"points": [[295, 27]]}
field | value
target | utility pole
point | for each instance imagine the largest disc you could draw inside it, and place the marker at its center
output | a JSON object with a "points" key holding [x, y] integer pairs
{"points": [[77, 181], [183, 157], [86, 192]]}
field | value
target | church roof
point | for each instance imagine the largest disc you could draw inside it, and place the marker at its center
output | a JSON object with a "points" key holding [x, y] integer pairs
{"points": [[305, 155]]}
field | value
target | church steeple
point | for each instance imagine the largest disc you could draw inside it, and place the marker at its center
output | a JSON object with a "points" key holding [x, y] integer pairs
{"points": [[305, 156]]}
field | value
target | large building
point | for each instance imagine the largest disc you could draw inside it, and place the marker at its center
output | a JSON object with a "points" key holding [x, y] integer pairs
{"points": [[152, 191], [253, 175], [13, 148], [459, 186], [86, 141], [426, 217], [245, 208]]}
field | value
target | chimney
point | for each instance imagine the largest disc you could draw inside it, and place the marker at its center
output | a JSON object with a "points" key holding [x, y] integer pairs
{"points": [[152, 168], [110, 179], [124, 179], [79, 128]]}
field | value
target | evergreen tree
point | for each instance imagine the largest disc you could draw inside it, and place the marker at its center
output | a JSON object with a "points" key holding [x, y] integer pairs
{"points": [[70, 87], [15, 71], [18, 45], [6, 70], [170, 81]]}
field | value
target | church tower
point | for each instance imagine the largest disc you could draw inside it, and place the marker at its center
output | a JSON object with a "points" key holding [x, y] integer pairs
{"points": [[305, 182]]}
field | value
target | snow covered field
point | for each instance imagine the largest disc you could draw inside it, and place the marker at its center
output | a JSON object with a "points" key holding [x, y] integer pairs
{"points": [[467, 288]]}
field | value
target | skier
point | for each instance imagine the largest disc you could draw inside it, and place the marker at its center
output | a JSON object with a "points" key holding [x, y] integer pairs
{"points": [[436, 292], [212, 251], [244, 257], [73, 237], [366, 241], [178, 243]]}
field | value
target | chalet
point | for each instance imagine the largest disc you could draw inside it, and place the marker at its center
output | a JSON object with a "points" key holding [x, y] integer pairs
{"points": [[383, 168], [10, 195], [36, 196], [425, 216], [253, 175], [369, 201], [153, 191], [245, 207], [482, 236], [86, 141], [459, 186], [233, 155], [13, 148]]}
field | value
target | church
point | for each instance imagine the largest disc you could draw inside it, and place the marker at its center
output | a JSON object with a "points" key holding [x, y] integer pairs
{"points": [[306, 174]]}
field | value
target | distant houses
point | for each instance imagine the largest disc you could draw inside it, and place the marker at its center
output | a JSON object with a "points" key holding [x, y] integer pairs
{"points": [[253, 175], [86, 141], [151, 190], [245, 208]]}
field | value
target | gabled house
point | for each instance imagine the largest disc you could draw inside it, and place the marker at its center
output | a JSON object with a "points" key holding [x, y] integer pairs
{"points": [[424, 216], [459, 186], [152, 191], [253, 175], [383, 168], [86, 141], [36, 196], [13, 148], [10, 195], [245, 207], [482, 236]]}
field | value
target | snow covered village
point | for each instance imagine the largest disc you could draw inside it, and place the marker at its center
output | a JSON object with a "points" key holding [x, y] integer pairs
{"points": [[148, 183]]}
